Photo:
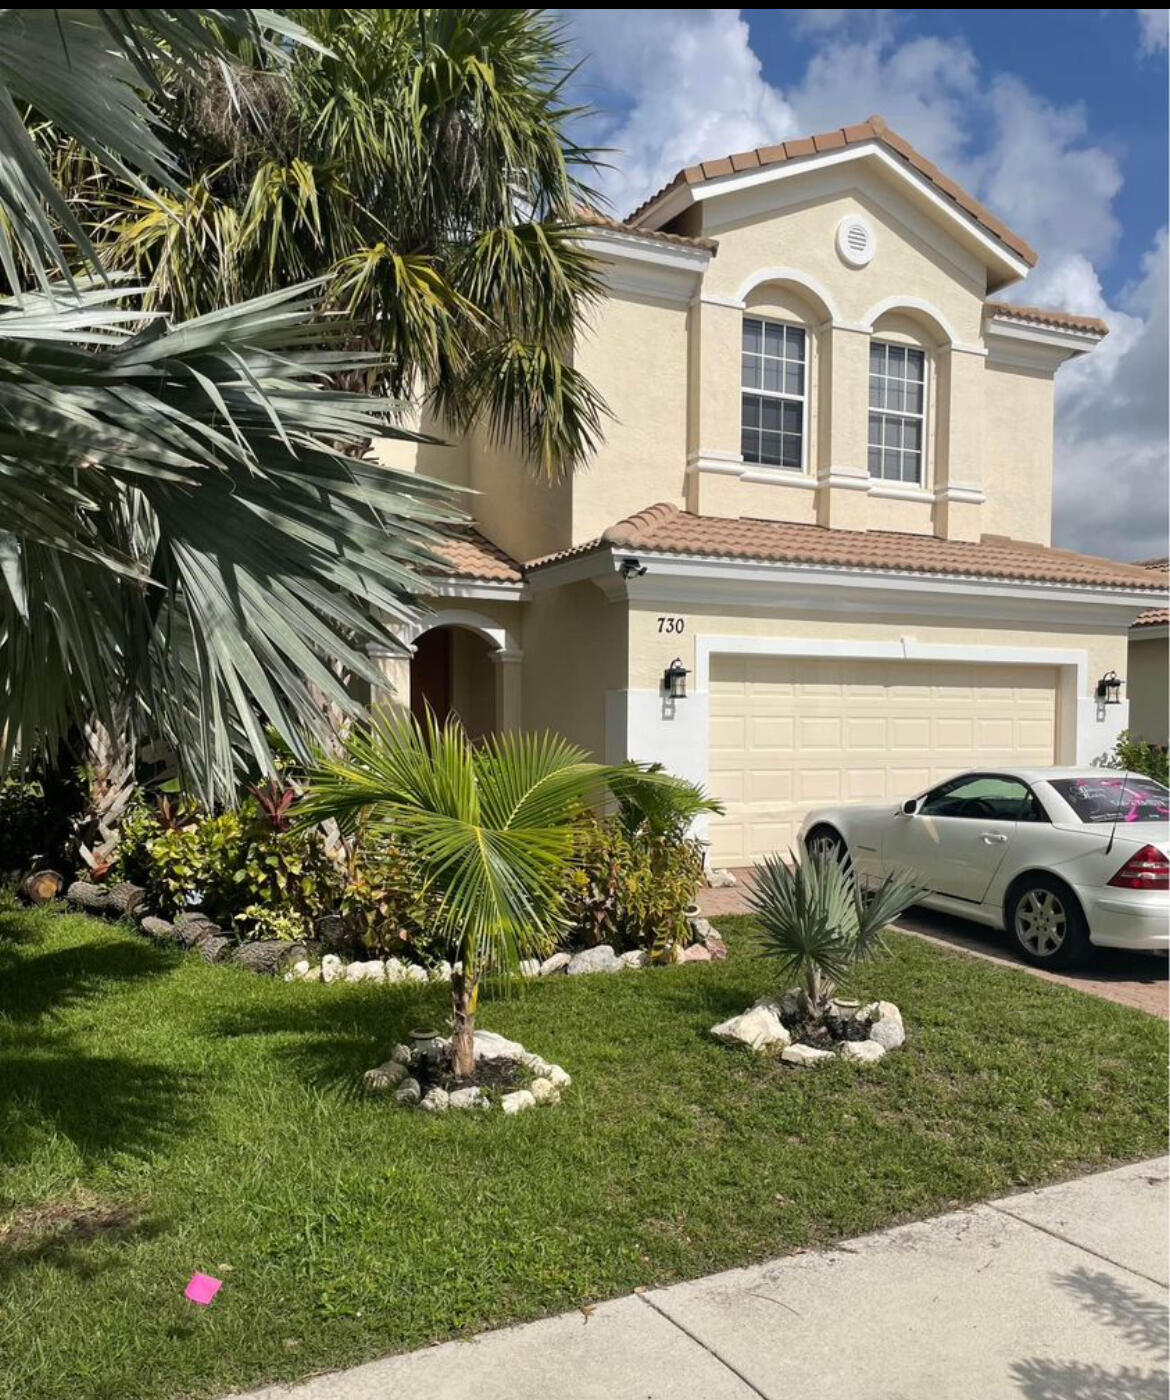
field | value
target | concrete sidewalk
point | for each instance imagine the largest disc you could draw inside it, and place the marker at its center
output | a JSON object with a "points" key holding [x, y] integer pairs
{"points": [[1059, 1294]]}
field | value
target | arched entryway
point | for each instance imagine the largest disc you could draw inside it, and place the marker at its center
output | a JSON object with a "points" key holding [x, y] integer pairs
{"points": [[466, 664], [452, 672]]}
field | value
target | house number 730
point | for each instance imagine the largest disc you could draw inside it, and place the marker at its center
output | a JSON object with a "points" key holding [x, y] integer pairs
{"points": [[672, 624]]}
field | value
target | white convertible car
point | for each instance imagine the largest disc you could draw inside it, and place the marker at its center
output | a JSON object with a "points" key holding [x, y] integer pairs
{"points": [[1062, 858]]}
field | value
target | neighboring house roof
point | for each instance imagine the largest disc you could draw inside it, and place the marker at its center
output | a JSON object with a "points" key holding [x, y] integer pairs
{"points": [[1163, 565], [1047, 316], [1155, 617], [471, 556], [875, 129], [664, 529], [594, 218]]}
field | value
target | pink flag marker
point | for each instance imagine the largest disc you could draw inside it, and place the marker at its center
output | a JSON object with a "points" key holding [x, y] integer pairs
{"points": [[202, 1289]]}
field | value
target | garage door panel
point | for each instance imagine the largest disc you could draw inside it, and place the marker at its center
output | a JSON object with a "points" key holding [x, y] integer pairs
{"points": [[789, 734]]}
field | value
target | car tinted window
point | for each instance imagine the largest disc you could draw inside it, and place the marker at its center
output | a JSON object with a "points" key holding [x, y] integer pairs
{"points": [[985, 797], [1120, 797]]}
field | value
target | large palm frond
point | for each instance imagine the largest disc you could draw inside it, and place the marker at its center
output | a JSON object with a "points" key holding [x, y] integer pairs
{"points": [[186, 527]]}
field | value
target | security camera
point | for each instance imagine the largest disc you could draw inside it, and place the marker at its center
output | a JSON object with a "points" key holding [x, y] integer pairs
{"points": [[630, 568]]}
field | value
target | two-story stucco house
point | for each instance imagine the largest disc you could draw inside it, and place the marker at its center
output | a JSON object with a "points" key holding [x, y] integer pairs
{"points": [[825, 493]]}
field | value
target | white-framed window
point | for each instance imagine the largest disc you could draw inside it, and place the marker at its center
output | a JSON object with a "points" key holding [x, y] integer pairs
{"points": [[897, 412], [773, 377]]}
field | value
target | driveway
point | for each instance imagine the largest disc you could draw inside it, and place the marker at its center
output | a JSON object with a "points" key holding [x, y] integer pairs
{"points": [[1132, 979]]}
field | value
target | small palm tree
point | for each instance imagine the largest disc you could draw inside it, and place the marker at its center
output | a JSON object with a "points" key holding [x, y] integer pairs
{"points": [[492, 827], [817, 923]]}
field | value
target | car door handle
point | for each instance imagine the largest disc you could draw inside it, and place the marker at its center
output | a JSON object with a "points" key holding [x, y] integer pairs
{"points": [[993, 838]]}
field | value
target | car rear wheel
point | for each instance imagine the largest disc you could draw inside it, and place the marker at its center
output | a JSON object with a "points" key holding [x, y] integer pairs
{"points": [[1047, 923]]}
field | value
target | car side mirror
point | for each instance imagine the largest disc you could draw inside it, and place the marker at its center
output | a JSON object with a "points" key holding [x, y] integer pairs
{"points": [[910, 807]]}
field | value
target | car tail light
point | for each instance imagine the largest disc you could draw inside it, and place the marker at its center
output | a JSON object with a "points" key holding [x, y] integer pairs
{"points": [[1149, 869]]}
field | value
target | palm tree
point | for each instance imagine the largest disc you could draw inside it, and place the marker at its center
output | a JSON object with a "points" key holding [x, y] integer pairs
{"points": [[190, 545], [422, 161], [491, 827], [817, 923]]}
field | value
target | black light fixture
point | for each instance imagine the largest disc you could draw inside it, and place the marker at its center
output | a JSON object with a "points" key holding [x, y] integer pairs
{"points": [[1109, 688], [631, 568], [674, 680]]}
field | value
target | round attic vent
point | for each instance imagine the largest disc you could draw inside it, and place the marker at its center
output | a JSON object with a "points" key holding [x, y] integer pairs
{"points": [[855, 241]]}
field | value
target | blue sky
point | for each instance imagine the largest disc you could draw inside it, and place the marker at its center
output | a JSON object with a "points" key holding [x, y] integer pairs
{"points": [[1056, 119]]}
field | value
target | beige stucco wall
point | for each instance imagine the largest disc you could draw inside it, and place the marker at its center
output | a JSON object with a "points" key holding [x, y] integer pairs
{"points": [[1018, 426], [634, 353], [575, 651], [1147, 683]]}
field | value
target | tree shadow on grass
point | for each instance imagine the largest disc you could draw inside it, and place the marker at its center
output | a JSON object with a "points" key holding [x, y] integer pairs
{"points": [[43, 984], [1142, 1321], [72, 1235], [103, 1104]]}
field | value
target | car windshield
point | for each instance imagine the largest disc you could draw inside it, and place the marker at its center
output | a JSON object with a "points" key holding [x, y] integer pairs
{"points": [[1120, 797]]}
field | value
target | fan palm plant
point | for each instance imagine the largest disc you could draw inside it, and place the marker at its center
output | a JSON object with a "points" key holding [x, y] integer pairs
{"points": [[420, 159], [491, 827], [817, 923]]}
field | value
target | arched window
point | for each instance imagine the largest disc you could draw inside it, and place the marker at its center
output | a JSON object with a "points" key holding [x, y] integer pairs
{"points": [[897, 412], [773, 389]]}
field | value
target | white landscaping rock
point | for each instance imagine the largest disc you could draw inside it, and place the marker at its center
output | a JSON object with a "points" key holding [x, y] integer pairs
{"points": [[530, 967], [517, 1102], [544, 1091], [414, 973], [395, 970], [331, 967], [758, 1029], [471, 1097], [375, 970], [436, 1101], [313, 975], [600, 959], [298, 972], [636, 957], [490, 1046], [559, 1077], [355, 972], [721, 879], [805, 1055], [887, 1028], [441, 973], [386, 1076], [401, 1053], [557, 963], [409, 1091], [867, 1051]]}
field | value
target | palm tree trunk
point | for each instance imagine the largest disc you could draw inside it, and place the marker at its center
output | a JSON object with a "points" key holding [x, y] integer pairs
{"points": [[463, 1038], [110, 758]]}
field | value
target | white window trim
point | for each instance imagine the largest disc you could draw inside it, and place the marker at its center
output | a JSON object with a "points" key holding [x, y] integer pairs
{"points": [[805, 399], [889, 484]]}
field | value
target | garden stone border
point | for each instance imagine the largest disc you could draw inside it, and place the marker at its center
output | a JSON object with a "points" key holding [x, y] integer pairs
{"points": [[762, 1027], [395, 1076], [314, 961]]}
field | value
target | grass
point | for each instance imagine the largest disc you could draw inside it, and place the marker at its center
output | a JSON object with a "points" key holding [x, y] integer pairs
{"points": [[158, 1116]]}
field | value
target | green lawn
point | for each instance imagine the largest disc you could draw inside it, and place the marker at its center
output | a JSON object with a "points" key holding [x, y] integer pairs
{"points": [[158, 1116]]}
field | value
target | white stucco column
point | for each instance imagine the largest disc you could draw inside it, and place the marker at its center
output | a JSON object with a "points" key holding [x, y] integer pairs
{"points": [[509, 703]]}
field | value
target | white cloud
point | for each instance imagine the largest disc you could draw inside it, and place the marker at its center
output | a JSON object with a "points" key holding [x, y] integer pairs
{"points": [[693, 89], [1036, 163], [1153, 30]]}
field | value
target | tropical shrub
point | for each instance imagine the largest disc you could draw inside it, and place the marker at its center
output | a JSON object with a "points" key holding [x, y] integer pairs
{"points": [[230, 865], [817, 923], [1138, 756], [23, 834], [630, 890], [386, 904]]}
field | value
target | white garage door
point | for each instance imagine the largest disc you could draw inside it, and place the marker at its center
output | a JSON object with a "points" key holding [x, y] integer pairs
{"points": [[792, 733]]}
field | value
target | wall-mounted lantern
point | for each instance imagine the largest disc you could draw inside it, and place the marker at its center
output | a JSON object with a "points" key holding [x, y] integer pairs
{"points": [[674, 680], [1109, 689]]}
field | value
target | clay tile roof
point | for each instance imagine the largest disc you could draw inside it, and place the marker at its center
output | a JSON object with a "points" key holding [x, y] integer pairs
{"points": [[875, 129], [594, 218], [1155, 617], [1047, 316], [470, 556], [664, 529], [1163, 565]]}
